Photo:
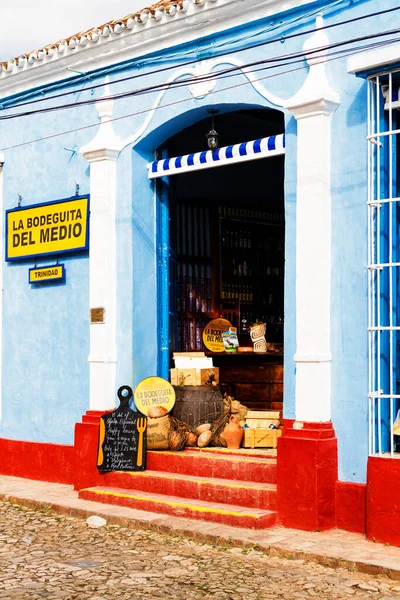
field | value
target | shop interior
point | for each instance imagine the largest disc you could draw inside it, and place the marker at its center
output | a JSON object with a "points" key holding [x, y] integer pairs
{"points": [[227, 238]]}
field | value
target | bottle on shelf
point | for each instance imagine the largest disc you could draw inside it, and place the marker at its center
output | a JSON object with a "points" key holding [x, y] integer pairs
{"points": [[245, 269], [234, 268]]}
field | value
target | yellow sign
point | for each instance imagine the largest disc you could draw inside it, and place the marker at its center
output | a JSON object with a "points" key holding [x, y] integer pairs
{"points": [[212, 334], [52, 273], [51, 228], [154, 392]]}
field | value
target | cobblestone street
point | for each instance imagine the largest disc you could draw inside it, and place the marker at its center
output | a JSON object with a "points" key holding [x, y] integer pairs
{"points": [[47, 555]]}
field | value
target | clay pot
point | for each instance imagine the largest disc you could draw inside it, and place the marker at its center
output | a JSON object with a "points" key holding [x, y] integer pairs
{"points": [[233, 433]]}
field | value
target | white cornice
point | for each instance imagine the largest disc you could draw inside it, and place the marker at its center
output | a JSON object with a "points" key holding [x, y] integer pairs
{"points": [[374, 59], [111, 45]]}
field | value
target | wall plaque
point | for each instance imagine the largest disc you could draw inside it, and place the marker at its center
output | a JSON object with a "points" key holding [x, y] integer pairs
{"points": [[122, 437], [97, 315]]}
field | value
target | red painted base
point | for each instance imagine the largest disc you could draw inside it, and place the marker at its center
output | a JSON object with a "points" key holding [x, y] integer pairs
{"points": [[383, 504], [34, 460], [350, 506], [75, 465], [307, 475], [235, 516], [86, 450]]}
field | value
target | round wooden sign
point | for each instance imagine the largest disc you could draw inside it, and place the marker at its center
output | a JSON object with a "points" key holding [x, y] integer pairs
{"points": [[212, 334], [154, 392]]}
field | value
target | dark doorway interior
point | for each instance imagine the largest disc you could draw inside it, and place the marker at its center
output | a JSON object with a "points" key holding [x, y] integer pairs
{"points": [[227, 235]]}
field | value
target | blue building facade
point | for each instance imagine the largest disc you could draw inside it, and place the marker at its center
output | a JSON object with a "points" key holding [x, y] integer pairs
{"points": [[84, 117]]}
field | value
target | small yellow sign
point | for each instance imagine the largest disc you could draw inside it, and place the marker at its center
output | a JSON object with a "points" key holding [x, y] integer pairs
{"points": [[212, 334], [52, 273], [154, 392], [49, 228]]}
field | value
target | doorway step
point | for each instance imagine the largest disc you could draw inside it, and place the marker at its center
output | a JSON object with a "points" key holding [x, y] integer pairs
{"points": [[237, 489]]}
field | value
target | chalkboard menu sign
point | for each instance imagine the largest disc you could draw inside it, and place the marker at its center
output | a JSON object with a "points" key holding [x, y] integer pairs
{"points": [[122, 437]]}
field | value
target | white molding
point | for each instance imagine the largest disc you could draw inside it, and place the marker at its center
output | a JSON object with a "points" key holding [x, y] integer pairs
{"points": [[102, 153], [2, 242], [313, 358], [200, 20], [313, 107], [373, 59], [102, 359], [203, 68]]}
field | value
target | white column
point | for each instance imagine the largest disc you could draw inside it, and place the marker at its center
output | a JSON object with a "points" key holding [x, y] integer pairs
{"points": [[313, 107], [102, 154], [2, 242]]}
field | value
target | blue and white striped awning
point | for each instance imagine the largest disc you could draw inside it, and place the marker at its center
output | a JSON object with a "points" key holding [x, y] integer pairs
{"points": [[262, 148]]}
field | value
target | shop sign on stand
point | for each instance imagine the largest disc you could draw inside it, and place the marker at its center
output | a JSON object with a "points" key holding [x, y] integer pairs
{"points": [[122, 437], [154, 392], [212, 334]]}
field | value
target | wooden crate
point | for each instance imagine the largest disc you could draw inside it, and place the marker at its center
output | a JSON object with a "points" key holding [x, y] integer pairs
{"points": [[262, 419], [205, 375], [193, 376], [261, 438], [185, 377]]}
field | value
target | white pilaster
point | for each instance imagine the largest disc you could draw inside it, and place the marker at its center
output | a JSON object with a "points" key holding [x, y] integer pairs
{"points": [[313, 107], [2, 233], [102, 154]]}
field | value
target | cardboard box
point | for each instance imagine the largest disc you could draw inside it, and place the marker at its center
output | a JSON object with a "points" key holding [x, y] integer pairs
{"points": [[192, 360], [261, 438]]}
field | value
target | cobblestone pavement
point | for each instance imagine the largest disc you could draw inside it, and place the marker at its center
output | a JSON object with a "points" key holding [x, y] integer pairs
{"points": [[46, 555]]}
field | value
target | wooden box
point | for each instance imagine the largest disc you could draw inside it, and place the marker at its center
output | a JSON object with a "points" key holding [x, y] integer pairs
{"points": [[185, 377], [205, 375], [262, 419], [261, 438], [193, 376]]}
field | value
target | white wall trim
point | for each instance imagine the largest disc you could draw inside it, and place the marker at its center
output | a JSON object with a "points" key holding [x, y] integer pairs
{"points": [[366, 61], [200, 90], [313, 358], [199, 19], [2, 241], [313, 107], [102, 154]]}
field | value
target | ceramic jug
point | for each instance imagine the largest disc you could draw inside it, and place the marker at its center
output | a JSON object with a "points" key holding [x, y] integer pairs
{"points": [[233, 433]]}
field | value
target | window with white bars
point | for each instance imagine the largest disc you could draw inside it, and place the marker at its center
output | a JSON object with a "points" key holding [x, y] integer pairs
{"points": [[384, 262]]}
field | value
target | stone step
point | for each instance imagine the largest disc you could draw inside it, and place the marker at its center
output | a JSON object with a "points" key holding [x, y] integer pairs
{"points": [[236, 516], [232, 467], [243, 452], [224, 491]]}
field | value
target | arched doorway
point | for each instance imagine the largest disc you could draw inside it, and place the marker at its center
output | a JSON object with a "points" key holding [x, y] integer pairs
{"points": [[225, 248]]}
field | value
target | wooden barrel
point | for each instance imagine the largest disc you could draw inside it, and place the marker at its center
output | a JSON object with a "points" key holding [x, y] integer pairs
{"points": [[197, 404]]}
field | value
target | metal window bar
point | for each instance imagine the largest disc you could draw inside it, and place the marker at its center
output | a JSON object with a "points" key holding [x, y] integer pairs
{"points": [[383, 272]]}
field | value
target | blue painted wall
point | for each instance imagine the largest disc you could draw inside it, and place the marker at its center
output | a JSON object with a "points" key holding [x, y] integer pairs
{"points": [[45, 342], [45, 370]]}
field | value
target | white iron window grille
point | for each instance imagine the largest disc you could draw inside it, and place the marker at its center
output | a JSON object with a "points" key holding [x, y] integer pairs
{"points": [[384, 262]]}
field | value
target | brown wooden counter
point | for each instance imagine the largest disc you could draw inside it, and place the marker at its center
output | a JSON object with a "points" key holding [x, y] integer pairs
{"points": [[256, 379]]}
